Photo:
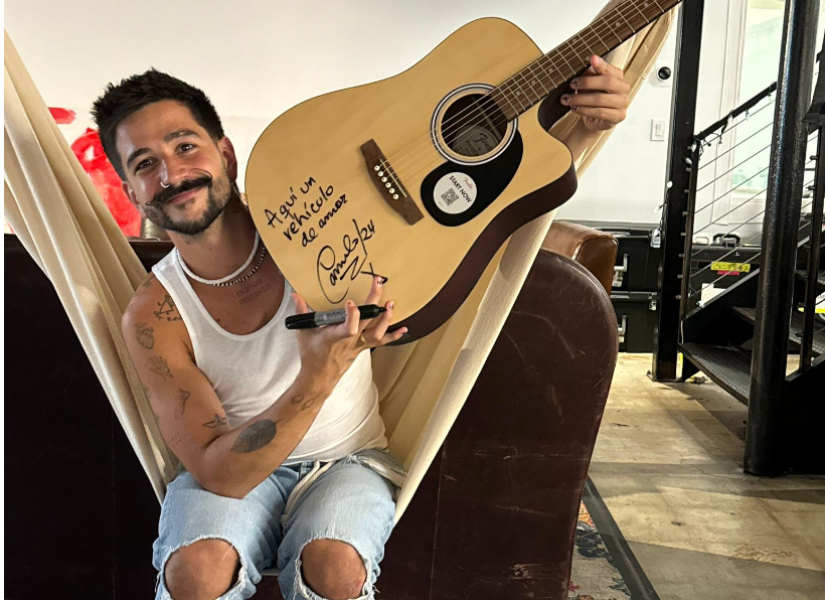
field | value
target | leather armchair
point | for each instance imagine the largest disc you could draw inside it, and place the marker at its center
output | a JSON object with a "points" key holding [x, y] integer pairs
{"points": [[593, 249]]}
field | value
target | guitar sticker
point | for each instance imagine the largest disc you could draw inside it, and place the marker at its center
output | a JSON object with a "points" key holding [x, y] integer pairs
{"points": [[455, 193]]}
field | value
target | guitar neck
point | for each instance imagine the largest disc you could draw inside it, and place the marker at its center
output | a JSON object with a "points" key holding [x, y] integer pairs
{"points": [[537, 80]]}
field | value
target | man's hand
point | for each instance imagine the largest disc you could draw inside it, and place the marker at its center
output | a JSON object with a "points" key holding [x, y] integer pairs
{"points": [[327, 352], [600, 97]]}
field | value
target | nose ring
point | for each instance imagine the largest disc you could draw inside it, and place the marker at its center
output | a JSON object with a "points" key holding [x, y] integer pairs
{"points": [[164, 186]]}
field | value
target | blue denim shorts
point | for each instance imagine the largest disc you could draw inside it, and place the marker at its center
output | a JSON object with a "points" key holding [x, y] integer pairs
{"points": [[351, 500]]}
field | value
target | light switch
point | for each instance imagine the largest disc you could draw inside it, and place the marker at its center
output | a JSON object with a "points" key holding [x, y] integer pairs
{"points": [[657, 130]]}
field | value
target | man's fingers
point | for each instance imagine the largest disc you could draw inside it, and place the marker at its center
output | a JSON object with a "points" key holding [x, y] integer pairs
{"points": [[373, 297], [599, 83], [395, 335], [603, 67], [593, 100], [599, 64], [389, 338], [590, 72], [352, 325], [376, 289], [378, 328], [610, 115]]}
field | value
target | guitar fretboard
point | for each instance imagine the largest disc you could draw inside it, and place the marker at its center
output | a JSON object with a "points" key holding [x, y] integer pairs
{"points": [[538, 79]]}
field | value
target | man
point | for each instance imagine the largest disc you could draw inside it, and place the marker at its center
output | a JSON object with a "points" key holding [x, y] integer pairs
{"points": [[282, 447]]}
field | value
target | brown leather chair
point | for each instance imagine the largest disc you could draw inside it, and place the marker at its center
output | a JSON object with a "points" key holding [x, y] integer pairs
{"points": [[594, 250], [494, 518]]}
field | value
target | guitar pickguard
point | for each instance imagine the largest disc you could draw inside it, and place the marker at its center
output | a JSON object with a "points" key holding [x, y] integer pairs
{"points": [[456, 193]]}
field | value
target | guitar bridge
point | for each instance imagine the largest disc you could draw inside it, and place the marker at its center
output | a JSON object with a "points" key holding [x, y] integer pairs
{"points": [[388, 184]]}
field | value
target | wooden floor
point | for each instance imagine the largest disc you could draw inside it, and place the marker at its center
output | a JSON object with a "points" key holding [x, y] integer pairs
{"points": [[668, 463]]}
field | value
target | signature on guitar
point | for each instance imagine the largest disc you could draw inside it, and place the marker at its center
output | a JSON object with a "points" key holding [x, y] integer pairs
{"points": [[336, 269]]}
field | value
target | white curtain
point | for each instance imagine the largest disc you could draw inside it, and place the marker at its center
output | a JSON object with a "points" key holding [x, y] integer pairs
{"points": [[56, 212]]}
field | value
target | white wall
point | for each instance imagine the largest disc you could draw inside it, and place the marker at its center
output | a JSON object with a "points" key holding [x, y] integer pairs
{"points": [[255, 59]]}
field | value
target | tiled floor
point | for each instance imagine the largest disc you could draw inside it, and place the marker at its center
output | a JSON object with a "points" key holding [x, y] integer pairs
{"points": [[668, 465]]}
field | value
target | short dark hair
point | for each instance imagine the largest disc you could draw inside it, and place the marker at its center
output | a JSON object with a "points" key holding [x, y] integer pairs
{"points": [[120, 101]]}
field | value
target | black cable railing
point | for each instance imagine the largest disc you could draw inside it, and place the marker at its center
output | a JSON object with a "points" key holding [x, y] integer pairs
{"points": [[721, 240], [814, 302]]}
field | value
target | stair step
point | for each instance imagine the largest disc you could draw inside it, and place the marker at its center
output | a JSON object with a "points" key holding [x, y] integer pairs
{"points": [[802, 275], [749, 314], [797, 320], [728, 366]]}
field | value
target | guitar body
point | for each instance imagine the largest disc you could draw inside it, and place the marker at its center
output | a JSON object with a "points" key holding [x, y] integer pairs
{"points": [[330, 221]]}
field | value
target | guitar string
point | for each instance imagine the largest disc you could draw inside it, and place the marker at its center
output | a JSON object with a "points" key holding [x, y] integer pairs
{"points": [[464, 117], [507, 86], [392, 164]]}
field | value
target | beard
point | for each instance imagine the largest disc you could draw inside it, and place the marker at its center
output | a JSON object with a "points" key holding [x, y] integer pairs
{"points": [[219, 193]]}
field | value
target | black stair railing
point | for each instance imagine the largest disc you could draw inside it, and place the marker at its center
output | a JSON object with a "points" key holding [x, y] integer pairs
{"points": [[750, 189], [814, 279], [715, 235], [763, 442], [719, 251], [674, 217]]}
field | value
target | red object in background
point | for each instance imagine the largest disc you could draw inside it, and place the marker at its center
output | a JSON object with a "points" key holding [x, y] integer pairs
{"points": [[89, 151], [62, 116]]}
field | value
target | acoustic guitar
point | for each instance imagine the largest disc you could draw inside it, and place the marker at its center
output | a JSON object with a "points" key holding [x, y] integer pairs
{"points": [[421, 177]]}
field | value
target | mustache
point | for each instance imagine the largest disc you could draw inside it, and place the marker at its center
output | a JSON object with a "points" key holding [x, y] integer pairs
{"points": [[167, 194]]}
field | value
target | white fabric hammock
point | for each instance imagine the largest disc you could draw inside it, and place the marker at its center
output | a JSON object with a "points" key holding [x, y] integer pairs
{"points": [[62, 222]]}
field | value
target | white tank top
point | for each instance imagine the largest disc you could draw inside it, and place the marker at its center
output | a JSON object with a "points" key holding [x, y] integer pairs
{"points": [[250, 372]]}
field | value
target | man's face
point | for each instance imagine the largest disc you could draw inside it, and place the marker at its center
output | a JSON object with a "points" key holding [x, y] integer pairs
{"points": [[176, 175]]}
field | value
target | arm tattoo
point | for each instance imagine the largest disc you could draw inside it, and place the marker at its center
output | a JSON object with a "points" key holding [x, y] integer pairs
{"points": [[145, 335], [218, 421], [255, 436], [167, 309], [300, 398], [149, 281], [175, 440], [308, 404], [183, 395], [158, 366]]}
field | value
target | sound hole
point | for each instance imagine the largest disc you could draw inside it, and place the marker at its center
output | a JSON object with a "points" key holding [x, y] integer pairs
{"points": [[473, 126]]}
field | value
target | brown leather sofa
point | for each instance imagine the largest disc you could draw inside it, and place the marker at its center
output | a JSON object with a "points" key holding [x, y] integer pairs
{"points": [[494, 518], [593, 249]]}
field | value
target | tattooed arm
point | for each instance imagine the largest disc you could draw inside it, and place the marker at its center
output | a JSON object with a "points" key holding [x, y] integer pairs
{"points": [[225, 461]]}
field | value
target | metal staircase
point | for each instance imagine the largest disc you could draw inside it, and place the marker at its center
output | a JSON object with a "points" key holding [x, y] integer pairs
{"points": [[718, 336], [742, 274]]}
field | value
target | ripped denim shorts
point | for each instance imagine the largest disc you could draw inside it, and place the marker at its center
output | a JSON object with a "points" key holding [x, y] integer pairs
{"points": [[350, 500]]}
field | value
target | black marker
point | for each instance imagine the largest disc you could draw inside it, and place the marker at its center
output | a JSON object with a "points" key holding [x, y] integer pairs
{"points": [[330, 317]]}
